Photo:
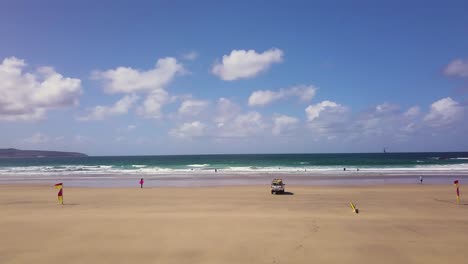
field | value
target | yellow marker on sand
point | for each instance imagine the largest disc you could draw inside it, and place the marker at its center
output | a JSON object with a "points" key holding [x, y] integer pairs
{"points": [[353, 206]]}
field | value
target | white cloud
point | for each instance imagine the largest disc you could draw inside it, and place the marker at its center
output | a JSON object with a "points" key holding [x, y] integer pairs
{"points": [[244, 125], [409, 128], [226, 110], [189, 130], [314, 111], [412, 112], [457, 68], [303, 92], [444, 112], [192, 107], [387, 108], [328, 119], [131, 127], [28, 96], [129, 80], [283, 124], [382, 121], [246, 64], [119, 108], [193, 55], [152, 105], [264, 97]]}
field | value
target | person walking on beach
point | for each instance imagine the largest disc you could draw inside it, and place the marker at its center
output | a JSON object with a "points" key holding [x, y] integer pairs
{"points": [[421, 179], [141, 183]]}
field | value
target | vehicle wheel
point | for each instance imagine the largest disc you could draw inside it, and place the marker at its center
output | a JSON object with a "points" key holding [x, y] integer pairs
{"points": [[272, 192]]}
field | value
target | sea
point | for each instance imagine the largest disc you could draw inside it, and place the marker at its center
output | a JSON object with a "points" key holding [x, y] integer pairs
{"points": [[237, 169]]}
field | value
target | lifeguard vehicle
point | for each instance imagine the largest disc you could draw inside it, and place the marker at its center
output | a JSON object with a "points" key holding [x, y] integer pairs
{"points": [[277, 186]]}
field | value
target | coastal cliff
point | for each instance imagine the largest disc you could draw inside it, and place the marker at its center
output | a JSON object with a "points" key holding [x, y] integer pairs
{"points": [[18, 153]]}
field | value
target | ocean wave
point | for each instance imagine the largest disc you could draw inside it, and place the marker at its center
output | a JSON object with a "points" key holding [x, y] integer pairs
{"points": [[83, 170], [198, 165]]}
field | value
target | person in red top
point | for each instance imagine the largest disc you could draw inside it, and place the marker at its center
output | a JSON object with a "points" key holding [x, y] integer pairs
{"points": [[141, 182]]}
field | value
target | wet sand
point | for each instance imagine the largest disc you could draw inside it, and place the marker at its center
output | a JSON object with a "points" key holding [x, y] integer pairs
{"points": [[204, 179], [312, 224]]}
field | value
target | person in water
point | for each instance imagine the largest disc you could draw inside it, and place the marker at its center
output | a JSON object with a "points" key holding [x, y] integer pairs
{"points": [[141, 182], [421, 179]]}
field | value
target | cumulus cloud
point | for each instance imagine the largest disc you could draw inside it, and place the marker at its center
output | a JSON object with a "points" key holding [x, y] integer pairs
{"points": [[383, 120], [129, 80], [193, 55], [226, 110], [189, 130], [327, 119], [192, 107], [246, 64], [151, 83], [444, 112], [314, 111], [100, 112], [283, 124], [264, 97], [244, 125], [387, 108], [412, 112], [29, 95], [458, 68], [153, 103]]}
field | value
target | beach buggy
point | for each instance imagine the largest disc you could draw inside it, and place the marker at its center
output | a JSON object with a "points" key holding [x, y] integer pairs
{"points": [[277, 186]]}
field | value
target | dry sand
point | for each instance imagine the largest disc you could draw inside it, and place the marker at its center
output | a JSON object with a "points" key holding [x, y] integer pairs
{"points": [[396, 224]]}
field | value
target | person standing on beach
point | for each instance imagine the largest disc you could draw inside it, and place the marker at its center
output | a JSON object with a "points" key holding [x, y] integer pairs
{"points": [[421, 179], [141, 183]]}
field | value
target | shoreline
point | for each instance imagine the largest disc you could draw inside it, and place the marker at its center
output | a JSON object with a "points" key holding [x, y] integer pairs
{"points": [[258, 179]]}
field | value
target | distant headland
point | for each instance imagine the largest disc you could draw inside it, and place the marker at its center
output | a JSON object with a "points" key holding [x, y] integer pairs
{"points": [[18, 153]]}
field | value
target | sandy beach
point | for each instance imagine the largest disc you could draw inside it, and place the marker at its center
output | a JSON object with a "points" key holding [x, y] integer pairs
{"points": [[312, 224]]}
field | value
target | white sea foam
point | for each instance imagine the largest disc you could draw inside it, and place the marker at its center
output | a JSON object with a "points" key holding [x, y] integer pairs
{"points": [[198, 165], [92, 171]]}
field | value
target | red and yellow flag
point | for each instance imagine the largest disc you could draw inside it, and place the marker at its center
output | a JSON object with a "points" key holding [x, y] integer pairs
{"points": [[59, 186], [458, 190]]}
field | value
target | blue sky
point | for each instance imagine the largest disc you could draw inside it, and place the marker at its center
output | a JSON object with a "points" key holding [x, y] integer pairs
{"points": [[182, 77]]}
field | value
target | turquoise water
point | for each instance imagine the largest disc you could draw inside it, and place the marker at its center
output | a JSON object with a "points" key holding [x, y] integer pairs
{"points": [[237, 163]]}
